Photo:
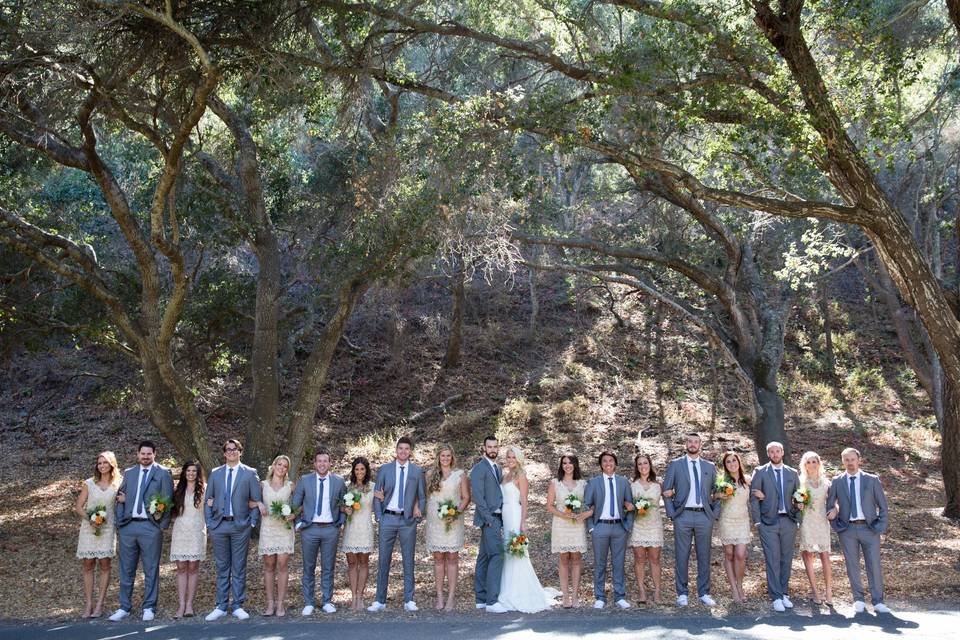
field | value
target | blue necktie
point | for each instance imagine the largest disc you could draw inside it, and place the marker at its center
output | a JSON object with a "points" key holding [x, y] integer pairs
{"points": [[138, 503], [319, 496], [853, 497], [402, 482], [696, 480], [613, 500], [230, 492], [783, 502], [496, 471]]}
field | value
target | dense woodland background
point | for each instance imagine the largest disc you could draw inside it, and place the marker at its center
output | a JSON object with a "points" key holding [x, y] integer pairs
{"points": [[577, 222]]}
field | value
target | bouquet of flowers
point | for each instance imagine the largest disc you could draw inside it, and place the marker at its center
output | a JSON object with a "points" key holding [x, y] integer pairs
{"points": [[724, 487], [572, 505], [97, 517], [351, 500], [643, 506], [801, 498], [159, 505], [517, 544], [448, 512], [280, 510]]}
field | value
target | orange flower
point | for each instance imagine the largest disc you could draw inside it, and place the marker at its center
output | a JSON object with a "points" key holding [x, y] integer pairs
{"points": [[356, 506], [728, 490], [160, 507], [99, 520]]}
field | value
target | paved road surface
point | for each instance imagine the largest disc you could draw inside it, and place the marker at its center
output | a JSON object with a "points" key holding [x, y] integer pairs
{"points": [[554, 625]]}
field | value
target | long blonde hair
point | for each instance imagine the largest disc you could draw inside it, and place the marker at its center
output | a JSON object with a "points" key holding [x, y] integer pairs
{"points": [[114, 468], [435, 477], [803, 468], [518, 454], [270, 469]]}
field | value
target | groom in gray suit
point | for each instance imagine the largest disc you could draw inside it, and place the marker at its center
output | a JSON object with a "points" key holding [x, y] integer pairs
{"points": [[687, 488], [857, 510], [610, 498], [319, 494], [485, 480], [230, 520], [776, 518], [139, 532], [404, 493]]}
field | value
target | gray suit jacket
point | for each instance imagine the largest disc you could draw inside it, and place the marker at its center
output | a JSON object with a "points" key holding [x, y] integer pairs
{"points": [[246, 487], [767, 510], [487, 495], [414, 491], [305, 495], [595, 493], [873, 502], [678, 479], [159, 482]]}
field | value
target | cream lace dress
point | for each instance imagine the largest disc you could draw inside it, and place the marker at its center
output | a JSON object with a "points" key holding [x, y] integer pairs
{"points": [[815, 528], [648, 529], [275, 537], [357, 534], [567, 536], [438, 538], [90, 545], [188, 540], [733, 525]]}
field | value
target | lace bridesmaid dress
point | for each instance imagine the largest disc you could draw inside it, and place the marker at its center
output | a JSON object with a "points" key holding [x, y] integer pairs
{"points": [[275, 537], [357, 534], [90, 545], [567, 536], [438, 538], [188, 540], [648, 529], [815, 528], [733, 526]]}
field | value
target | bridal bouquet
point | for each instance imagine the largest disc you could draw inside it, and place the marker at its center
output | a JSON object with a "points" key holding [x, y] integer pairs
{"points": [[724, 487], [351, 500], [517, 544], [801, 497], [158, 506], [280, 510], [572, 504], [97, 517], [448, 512], [643, 506]]}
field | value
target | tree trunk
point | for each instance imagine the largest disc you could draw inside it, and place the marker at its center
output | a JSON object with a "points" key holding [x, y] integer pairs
{"points": [[828, 351], [769, 426], [950, 447], [163, 414], [451, 358]]}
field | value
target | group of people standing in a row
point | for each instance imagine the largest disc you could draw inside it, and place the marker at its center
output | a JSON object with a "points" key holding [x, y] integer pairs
{"points": [[131, 510]]}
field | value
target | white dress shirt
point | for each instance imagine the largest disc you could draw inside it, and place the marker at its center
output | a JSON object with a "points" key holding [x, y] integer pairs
{"points": [[395, 498], [693, 500], [609, 499], [139, 506], [783, 479], [325, 515], [858, 487]]}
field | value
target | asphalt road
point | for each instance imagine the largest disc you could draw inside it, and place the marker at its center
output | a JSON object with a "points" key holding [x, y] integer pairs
{"points": [[634, 625]]}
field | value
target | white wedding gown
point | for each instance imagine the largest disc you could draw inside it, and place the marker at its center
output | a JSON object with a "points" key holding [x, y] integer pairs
{"points": [[520, 589]]}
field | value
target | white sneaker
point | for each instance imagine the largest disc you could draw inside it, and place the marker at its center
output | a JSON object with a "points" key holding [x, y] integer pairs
{"points": [[329, 608], [376, 606], [599, 604], [787, 603], [708, 601], [216, 614], [681, 601], [410, 606], [240, 614], [859, 606], [496, 607], [623, 604], [778, 605], [118, 615], [481, 605], [148, 615], [881, 608], [307, 611]]}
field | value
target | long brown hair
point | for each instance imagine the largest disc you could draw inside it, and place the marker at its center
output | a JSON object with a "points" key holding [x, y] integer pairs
{"points": [[435, 477], [741, 470], [180, 493], [652, 476]]}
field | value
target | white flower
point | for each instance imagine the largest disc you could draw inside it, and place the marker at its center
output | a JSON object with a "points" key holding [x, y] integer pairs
{"points": [[348, 499], [285, 510], [153, 506], [93, 518]]}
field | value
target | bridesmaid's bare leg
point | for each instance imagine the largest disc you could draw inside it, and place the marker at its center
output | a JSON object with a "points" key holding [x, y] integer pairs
{"points": [[88, 567], [439, 568], [269, 577], [564, 570], [453, 569], [104, 585], [193, 575], [827, 569], [182, 581], [811, 574], [740, 568], [363, 570], [640, 568], [283, 572], [729, 558], [654, 553], [576, 566]]}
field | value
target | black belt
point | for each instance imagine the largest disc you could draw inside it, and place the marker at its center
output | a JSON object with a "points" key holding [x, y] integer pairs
{"points": [[693, 508], [227, 518], [140, 519], [498, 514], [608, 521], [323, 524], [859, 521], [784, 515], [393, 513]]}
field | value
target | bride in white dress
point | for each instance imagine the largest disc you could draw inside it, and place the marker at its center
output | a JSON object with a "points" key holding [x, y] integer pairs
{"points": [[520, 589]]}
